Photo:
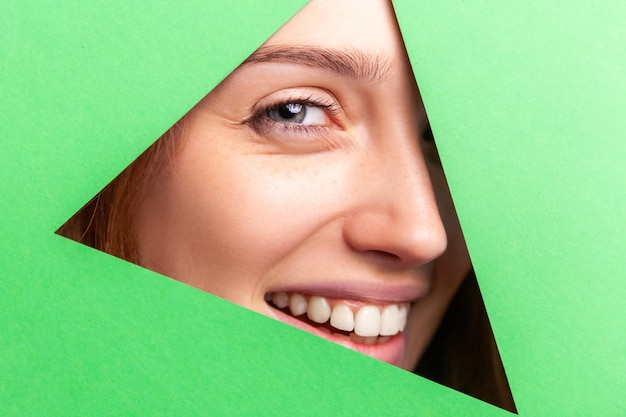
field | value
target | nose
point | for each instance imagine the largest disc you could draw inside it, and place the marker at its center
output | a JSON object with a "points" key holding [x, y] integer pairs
{"points": [[396, 216]]}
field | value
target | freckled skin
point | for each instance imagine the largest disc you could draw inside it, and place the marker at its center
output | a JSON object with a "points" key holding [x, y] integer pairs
{"points": [[251, 206]]}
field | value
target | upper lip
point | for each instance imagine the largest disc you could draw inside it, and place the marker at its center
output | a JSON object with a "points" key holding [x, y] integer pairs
{"points": [[378, 292]]}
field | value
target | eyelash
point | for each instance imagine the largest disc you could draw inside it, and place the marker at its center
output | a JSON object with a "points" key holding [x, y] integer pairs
{"points": [[262, 123]]}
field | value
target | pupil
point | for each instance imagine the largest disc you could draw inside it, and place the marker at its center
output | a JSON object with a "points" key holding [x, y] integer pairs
{"points": [[290, 110]]}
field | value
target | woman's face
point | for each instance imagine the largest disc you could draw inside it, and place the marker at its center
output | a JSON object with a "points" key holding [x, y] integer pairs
{"points": [[299, 189]]}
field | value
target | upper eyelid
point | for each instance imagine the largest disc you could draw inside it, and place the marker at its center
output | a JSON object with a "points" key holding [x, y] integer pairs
{"points": [[331, 107], [296, 94]]}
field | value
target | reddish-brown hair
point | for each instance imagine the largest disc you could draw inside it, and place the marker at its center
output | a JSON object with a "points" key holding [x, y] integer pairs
{"points": [[107, 221]]}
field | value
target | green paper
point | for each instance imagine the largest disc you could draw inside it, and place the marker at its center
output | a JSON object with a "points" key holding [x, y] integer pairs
{"points": [[527, 106]]}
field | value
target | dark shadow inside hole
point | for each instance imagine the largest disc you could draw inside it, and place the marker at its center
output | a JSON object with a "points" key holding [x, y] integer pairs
{"points": [[463, 354]]}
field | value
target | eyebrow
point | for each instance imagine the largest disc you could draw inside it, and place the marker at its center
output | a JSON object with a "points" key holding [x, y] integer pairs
{"points": [[351, 63]]}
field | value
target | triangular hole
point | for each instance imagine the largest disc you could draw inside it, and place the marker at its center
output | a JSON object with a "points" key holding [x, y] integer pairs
{"points": [[104, 222]]}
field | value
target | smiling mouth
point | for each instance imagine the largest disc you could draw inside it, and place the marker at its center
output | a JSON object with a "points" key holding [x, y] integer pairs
{"points": [[358, 322]]}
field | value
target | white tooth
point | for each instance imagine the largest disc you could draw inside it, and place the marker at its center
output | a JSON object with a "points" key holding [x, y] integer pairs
{"points": [[297, 304], [404, 312], [319, 310], [342, 318], [280, 299], [367, 321], [390, 320]]}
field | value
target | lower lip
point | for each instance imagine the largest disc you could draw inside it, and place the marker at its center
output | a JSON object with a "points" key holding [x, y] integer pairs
{"points": [[391, 351]]}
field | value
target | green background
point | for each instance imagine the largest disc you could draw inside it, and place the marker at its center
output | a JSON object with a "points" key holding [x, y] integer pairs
{"points": [[527, 103]]}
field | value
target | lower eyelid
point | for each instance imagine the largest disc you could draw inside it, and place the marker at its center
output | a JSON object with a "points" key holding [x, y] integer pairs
{"points": [[267, 127]]}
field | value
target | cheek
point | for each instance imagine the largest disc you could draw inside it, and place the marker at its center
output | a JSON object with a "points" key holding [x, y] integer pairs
{"points": [[248, 204], [221, 220]]}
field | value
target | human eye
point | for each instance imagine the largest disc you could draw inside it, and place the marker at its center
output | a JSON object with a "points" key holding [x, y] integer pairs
{"points": [[297, 113], [292, 115]]}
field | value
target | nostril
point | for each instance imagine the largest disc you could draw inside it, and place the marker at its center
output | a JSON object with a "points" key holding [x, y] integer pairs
{"points": [[383, 256]]}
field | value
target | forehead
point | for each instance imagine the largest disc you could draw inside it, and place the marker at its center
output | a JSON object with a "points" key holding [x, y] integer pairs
{"points": [[367, 25]]}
